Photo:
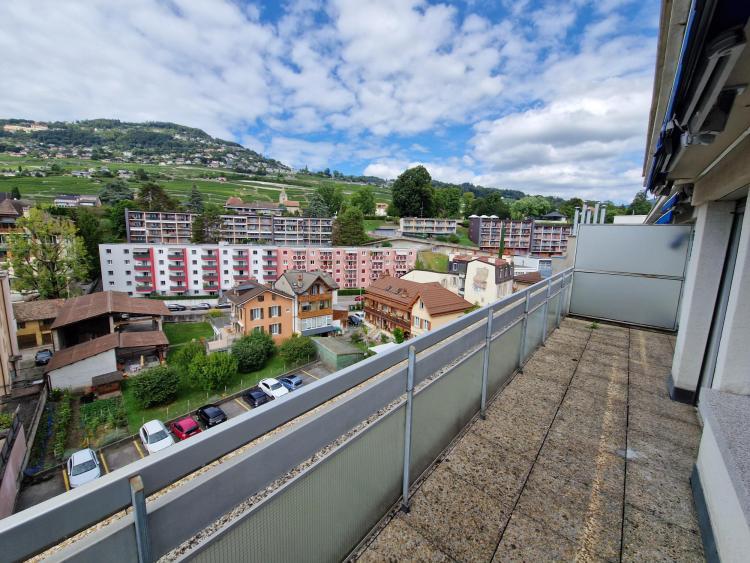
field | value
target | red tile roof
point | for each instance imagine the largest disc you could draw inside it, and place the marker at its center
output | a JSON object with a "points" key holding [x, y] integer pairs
{"points": [[106, 302], [437, 299], [68, 356]]}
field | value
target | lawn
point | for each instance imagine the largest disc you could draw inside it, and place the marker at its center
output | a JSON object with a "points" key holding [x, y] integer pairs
{"points": [[180, 333], [434, 261], [463, 234], [190, 399], [372, 224]]}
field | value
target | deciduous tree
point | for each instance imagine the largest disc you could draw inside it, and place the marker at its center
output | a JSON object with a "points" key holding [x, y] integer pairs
{"points": [[332, 196], [115, 192], [46, 255], [364, 199], [349, 228], [413, 194], [152, 197], [530, 206], [493, 204]]}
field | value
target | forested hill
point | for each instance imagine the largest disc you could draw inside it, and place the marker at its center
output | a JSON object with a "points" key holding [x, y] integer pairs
{"points": [[150, 142]]}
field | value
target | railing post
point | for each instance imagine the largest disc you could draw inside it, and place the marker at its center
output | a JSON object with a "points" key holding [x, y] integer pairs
{"points": [[524, 324], [568, 293], [546, 310], [560, 297], [486, 363], [138, 499], [407, 428]]}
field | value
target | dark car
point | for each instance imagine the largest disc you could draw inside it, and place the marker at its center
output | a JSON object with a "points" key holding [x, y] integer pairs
{"points": [[42, 357], [291, 382], [255, 397], [211, 415], [354, 320], [176, 307]]}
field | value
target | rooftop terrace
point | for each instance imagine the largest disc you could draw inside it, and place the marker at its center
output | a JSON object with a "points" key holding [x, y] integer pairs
{"points": [[545, 475]]}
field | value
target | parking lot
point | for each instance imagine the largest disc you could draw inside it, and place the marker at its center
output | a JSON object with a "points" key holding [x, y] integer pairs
{"points": [[122, 453]]}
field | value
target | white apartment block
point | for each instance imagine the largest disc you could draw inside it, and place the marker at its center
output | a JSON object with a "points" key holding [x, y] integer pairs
{"points": [[428, 226], [156, 227], [210, 269]]}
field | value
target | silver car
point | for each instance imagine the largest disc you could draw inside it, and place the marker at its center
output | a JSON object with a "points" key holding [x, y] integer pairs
{"points": [[83, 466]]}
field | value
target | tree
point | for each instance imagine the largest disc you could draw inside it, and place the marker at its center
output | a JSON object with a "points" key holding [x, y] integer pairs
{"points": [[187, 354], [253, 351], [46, 255], [298, 349], [501, 250], [316, 207], [115, 192], [141, 175], [213, 371], [152, 197], [392, 211], [195, 201], [467, 203], [332, 196], [492, 204], [398, 335], [364, 199], [116, 216], [448, 202], [90, 230], [530, 206], [569, 207], [349, 228], [15, 193], [413, 194], [640, 204], [207, 225], [155, 386]]}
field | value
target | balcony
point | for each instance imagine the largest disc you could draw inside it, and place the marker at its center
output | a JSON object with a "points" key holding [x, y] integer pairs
{"points": [[212, 276], [142, 267], [178, 288], [176, 267], [144, 288], [541, 476], [173, 277], [209, 266], [176, 256], [142, 278]]}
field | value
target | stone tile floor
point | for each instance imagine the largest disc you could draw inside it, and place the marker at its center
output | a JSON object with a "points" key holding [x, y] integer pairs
{"points": [[545, 476]]}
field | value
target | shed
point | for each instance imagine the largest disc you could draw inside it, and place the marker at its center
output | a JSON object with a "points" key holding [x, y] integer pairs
{"points": [[337, 353]]}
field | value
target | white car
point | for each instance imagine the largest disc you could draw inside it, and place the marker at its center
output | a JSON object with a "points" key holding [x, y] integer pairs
{"points": [[273, 388], [155, 436], [83, 466]]}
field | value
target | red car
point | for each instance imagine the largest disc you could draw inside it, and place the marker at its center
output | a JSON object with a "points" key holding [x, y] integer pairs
{"points": [[184, 428], [358, 298]]}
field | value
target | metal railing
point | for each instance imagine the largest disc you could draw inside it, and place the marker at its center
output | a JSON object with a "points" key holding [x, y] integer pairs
{"points": [[407, 405]]}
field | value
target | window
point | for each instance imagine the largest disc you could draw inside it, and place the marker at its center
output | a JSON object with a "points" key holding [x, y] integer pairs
{"points": [[109, 251], [427, 324], [260, 298], [113, 283], [421, 304], [275, 329], [109, 262], [195, 262], [126, 251], [128, 282], [416, 322], [192, 252], [226, 272], [305, 307], [110, 272], [127, 261], [258, 329], [256, 314], [274, 311], [161, 251], [161, 262]]}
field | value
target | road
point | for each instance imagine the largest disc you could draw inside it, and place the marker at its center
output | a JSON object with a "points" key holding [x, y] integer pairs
{"points": [[120, 454]]}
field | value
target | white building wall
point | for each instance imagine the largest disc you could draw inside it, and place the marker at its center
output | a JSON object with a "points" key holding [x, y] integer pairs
{"points": [[78, 375]]}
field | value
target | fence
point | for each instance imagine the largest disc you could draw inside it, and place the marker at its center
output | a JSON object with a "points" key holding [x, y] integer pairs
{"points": [[407, 404]]}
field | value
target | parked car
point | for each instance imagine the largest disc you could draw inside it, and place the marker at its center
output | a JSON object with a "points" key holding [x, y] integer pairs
{"points": [[155, 436], [255, 397], [291, 382], [200, 307], [354, 320], [42, 357], [273, 388], [82, 467], [176, 307], [360, 314], [184, 428], [211, 415], [223, 306], [358, 298]]}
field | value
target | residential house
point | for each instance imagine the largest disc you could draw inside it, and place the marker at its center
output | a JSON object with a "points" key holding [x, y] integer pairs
{"points": [[315, 294], [11, 210], [236, 205], [257, 307], [77, 200], [101, 334], [34, 321], [413, 307], [485, 280], [449, 280]]}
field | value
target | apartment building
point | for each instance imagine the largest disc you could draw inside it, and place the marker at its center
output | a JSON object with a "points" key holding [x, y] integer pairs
{"points": [[314, 295], [529, 236], [429, 226], [210, 269], [482, 280], [77, 200], [413, 307], [256, 307], [157, 227]]}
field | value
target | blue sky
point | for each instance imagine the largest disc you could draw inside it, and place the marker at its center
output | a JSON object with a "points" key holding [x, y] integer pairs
{"points": [[549, 97]]}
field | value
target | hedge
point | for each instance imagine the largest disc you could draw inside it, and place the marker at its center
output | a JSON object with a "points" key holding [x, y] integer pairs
{"points": [[155, 386]]}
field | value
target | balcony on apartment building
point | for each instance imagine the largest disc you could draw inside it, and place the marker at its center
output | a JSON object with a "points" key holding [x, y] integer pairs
{"points": [[142, 266], [144, 288], [176, 267], [579, 454]]}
